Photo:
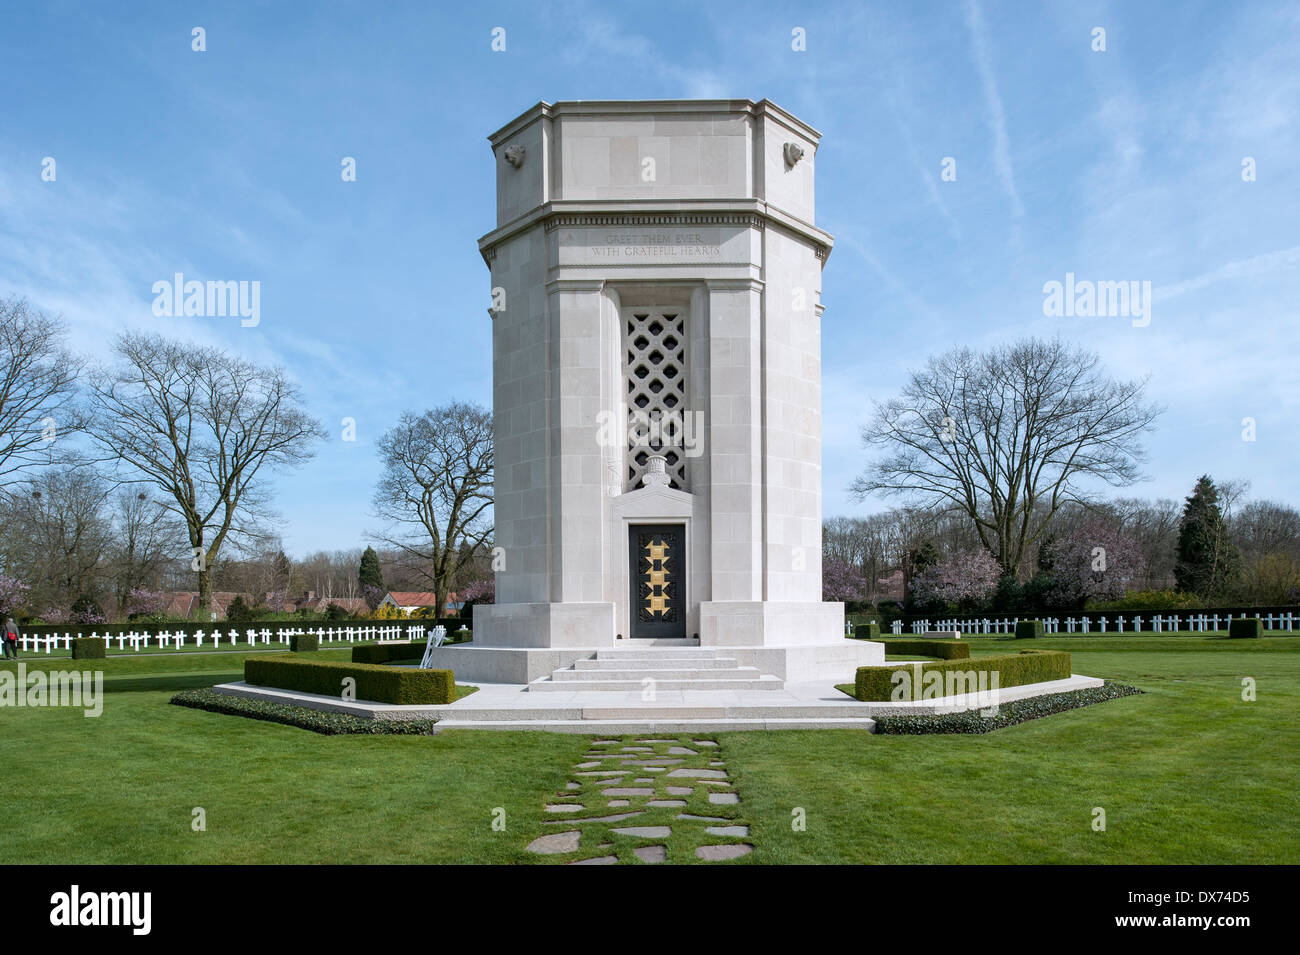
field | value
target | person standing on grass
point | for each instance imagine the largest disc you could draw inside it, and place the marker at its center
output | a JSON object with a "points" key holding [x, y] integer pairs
{"points": [[11, 638]]}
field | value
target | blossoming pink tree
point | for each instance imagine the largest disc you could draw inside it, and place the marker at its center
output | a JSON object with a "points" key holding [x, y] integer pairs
{"points": [[142, 602], [12, 595], [841, 581], [966, 578], [1095, 562], [483, 591]]}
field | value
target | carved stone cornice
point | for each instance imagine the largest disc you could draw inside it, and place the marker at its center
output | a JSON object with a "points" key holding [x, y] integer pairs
{"points": [[737, 213], [563, 220]]}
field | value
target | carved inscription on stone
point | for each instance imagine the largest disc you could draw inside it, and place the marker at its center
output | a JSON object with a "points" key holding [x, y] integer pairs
{"points": [[655, 245], [644, 245]]}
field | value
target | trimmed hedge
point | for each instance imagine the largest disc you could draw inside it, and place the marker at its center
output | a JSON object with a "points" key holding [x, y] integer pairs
{"points": [[377, 653], [1008, 714], [89, 648], [377, 684], [1246, 627], [304, 642], [876, 684], [944, 649], [1029, 628], [318, 721], [867, 631]]}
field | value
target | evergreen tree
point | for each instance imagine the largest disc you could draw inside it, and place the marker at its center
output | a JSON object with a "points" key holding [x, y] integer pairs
{"points": [[370, 573], [1207, 559], [917, 561], [238, 611], [1046, 555], [925, 556], [281, 575]]}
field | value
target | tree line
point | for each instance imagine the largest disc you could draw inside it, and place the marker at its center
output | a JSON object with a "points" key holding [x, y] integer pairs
{"points": [[1156, 550], [148, 471], [1001, 458]]}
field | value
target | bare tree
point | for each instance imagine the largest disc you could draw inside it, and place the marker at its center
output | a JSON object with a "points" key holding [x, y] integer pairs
{"points": [[905, 530], [845, 539], [147, 542], [330, 574], [863, 543], [63, 535], [206, 428], [1006, 437], [1267, 533], [875, 557], [37, 388], [1154, 525], [1266, 527], [436, 490]]}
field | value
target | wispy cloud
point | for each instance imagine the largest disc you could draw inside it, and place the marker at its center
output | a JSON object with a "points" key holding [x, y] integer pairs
{"points": [[600, 37], [930, 177], [983, 57], [906, 294], [1282, 260]]}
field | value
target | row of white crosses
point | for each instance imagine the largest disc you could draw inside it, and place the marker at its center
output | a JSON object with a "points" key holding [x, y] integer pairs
{"points": [[167, 639], [1198, 623], [1000, 625]]}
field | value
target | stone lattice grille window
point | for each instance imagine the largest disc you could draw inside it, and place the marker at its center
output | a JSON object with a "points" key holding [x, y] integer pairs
{"points": [[655, 370]]}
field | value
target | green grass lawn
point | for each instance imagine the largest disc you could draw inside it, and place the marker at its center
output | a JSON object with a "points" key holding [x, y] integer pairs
{"points": [[1187, 773], [161, 672]]}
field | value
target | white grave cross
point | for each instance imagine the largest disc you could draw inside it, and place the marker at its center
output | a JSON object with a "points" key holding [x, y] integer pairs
{"points": [[437, 637]]}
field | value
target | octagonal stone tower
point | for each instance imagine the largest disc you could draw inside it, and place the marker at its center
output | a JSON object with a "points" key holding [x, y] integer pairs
{"points": [[656, 276]]}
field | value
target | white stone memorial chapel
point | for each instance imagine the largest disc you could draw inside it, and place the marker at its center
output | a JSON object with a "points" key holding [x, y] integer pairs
{"points": [[656, 364]]}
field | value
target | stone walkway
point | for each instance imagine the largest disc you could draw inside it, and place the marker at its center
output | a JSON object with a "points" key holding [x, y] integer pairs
{"points": [[646, 800]]}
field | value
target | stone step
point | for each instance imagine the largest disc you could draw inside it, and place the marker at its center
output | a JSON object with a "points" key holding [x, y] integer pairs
{"points": [[654, 662], [691, 711], [641, 712], [835, 711], [641, 643], [577, 686], [494, 715], [639, 673], [661, 725], [668, 653]]}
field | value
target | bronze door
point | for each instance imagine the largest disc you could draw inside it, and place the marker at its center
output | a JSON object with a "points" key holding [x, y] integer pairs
{"points": [[657, 556]]}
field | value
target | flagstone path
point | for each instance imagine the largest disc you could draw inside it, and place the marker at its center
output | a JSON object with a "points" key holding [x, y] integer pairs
{"points": [[637, 800]]}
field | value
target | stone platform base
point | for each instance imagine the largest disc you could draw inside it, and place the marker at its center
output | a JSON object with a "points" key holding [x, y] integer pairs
{"points": [[816, 705], [764, 623], [544, 625]]}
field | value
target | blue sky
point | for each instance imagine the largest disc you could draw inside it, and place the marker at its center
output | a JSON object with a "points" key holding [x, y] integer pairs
{"points": [[1116, 165]]}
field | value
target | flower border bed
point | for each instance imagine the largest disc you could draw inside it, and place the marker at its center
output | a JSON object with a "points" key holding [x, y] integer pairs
{"points": [[1009, 714], [302, 717]]}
